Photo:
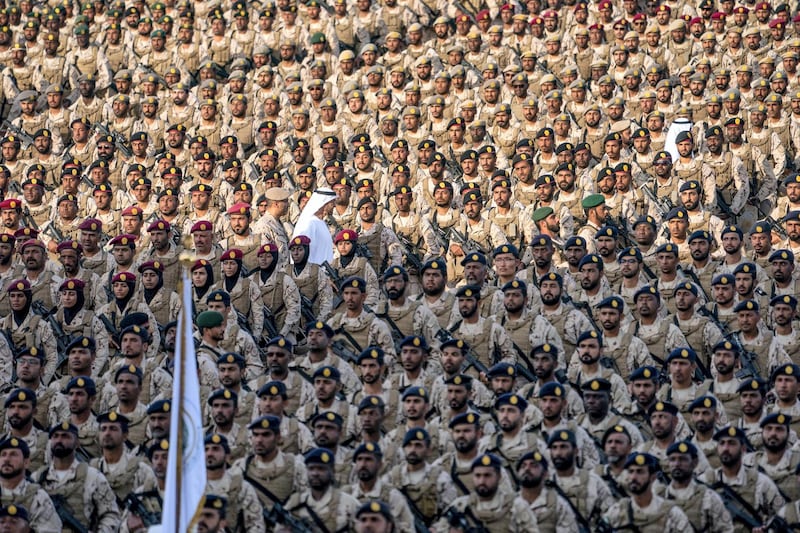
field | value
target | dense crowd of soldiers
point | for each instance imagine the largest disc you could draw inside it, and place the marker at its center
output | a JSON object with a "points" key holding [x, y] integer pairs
{"points": [[555, 288]]}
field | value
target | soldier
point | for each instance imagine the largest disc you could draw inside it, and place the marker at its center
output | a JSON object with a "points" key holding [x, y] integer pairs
{"points": [[428, 494], [15, 459], [272, 400], [525, 328], [274, 474], [702, 506], [406, 315], [246, 510], [512, 439], [323, 505], [28, 329], [223, 409], [355, 325], [351, 263], [588, 495], [83, 494], [123, 471], [310, 278], [644, 508], [368, 463], [501, 510], [734, 479]]}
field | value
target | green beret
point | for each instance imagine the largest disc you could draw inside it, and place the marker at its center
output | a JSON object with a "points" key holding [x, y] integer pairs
{"points": [[209, 319], [542, 213], [593, 200]]}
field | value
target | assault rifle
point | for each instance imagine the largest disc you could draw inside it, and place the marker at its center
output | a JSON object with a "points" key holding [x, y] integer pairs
{"points": [[25, 138], [467, 243], [337, 282], [471, 358], [135, 505], [30, 222], [307, 309], [464, 521], [62, 338], [278, 515], [741, 511], [270, 325], [119, 139], [622, 230], [747, 358], [339, 348], [411, 252], [65, 514]]}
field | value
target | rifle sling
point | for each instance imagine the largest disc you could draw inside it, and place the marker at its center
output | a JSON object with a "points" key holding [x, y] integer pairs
{"points": [[720, 486], [258, 486], [578, 516], [350, 339]]}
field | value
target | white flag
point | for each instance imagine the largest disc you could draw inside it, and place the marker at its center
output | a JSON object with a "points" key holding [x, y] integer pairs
{"points": [[186, 472]]}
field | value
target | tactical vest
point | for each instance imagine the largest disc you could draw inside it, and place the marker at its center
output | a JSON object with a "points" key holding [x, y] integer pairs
{"points": [[480, 343], [273, 299], [785, 479], [404, 319], [244, 132], [373, 243], [762, 142], [220, 51], [695, 335], [575, 208], [26, 499], [655, 343], [462, 477], [345, 31], [681, 52], [72, 494], [393, 18], [84, 327], [493, 520], [122, 482], [647, 524], [559, 322], [23, 77], [781, 129], [115, 56], [761, 350], [508, 223], [520, 332], [424, 496], [510, 458], [595, 141], [525, 195], [361, 335], [703, 224], [583, 60], [747, 490], [578, 493], [308, 286], [27, 336], [229, 343], [279, 481], [723, 175], [443, 313], [241, 300], [692, 507], [190, 57], [212, 132], [52, 69], [159, 305], [85, 62], [290, 445], [620, 354]]}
